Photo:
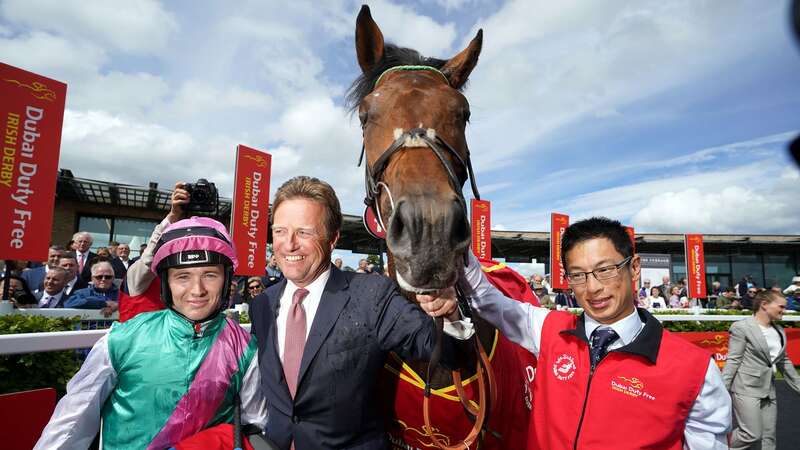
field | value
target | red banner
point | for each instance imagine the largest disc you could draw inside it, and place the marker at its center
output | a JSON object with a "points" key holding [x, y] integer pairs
{"points": [[695, 266], [558, 223], [482, 228], [716, 342], [31, 114], [250, 210]]}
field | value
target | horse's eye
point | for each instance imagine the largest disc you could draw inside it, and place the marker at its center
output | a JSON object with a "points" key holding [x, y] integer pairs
{"points": [[362, 116]]}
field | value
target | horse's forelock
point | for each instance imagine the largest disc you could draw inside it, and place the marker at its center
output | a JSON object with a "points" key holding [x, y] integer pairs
{"points": [[393, 56]]}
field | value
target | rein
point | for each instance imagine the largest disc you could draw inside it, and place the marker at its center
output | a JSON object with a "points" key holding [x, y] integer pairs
{"points": [[374, 183]]}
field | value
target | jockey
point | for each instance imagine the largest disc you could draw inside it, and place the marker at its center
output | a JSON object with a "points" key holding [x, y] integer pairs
{"points": [[166, 375]]}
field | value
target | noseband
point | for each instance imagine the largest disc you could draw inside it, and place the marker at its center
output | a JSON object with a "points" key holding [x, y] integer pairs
{"points": [[414, 138]]}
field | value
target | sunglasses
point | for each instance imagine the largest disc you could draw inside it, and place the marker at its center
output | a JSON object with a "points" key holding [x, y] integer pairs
{"points": [[102, 277], [257, 286]]}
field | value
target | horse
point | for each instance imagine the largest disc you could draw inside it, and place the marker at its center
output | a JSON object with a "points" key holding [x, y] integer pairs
{"points": [[414, 115]]}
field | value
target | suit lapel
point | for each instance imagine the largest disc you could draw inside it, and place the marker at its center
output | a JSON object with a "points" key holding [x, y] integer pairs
{"points": [[271, 346], [333, 300], [758, 338]]}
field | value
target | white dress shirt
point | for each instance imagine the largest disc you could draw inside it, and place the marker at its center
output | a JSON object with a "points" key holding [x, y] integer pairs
{"points": [[709, 420], [461, 329], [309, 304], [46, 298]]}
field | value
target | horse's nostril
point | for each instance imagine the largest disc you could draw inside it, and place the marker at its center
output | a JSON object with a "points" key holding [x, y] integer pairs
{"points": [[396, 225]]}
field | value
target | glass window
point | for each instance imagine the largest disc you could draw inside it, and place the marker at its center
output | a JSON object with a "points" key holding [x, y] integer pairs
{"points": [[133, 232], [716, 263], [678, 267], [779, 270], [98, 227], [748, 265]]}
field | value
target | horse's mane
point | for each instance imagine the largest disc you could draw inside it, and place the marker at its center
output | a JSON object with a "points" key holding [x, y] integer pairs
{"points": [[393, 56]]}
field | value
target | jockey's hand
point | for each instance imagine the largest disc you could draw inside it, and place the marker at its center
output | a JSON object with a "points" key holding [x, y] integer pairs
{"points": [[441, 304]]}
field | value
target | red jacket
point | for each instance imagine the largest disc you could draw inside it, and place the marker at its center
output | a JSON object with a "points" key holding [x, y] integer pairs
{"points": [[639, 396]]}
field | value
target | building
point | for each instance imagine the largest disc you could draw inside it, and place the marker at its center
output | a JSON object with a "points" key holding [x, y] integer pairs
{"points": [[124, 213]]}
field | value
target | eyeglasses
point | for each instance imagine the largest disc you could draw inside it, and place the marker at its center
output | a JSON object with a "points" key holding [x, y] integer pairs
{"points": [[102, 277], [601, 273], [752, 292]]}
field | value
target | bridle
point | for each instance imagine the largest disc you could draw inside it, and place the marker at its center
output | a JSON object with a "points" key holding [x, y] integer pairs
{"points": [[373, 176], [422, 138]]}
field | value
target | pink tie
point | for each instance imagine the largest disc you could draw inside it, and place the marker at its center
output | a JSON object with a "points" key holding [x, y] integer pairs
{"points": [[80, 262], [295, 340]]}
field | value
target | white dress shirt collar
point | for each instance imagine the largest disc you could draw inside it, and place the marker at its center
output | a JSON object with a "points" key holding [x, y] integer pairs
{"points": [[627, 328], [310, 305]]}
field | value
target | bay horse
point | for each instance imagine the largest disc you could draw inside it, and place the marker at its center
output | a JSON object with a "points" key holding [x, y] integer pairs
{"points": [[413, 116]]}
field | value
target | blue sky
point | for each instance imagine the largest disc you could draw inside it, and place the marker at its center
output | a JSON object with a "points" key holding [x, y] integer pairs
{"points": [[672, 116]]}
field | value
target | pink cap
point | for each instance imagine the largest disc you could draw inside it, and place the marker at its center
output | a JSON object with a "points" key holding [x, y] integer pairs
{"points": [[221, 243]]}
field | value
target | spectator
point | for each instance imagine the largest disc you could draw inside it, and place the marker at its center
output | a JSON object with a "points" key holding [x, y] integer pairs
{"points": [[141, 249], [645, 290], [794, 286], [82, 242], [273, 271], [675, 297], [683, 283], [121, 262], [253, 286], [273, 274], [665, 288], [35, 277], [541, 293], [565, 299], [74, 282], [102, 295], [104, 252], [338, 263], [546, 283], [18, 292], [736, 304], [362, 266], [112, 248], [52, 295], [757, 350], [716, 288], [793, 301], [726, 297], [656, 300], [743, 285], [748, 297]]}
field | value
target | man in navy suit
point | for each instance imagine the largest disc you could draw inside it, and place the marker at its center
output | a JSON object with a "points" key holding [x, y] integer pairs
{"points": [[35, 277], [52, 295], [324, 334], [82, 242]]}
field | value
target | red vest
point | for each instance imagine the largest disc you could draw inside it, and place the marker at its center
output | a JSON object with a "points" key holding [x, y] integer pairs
{"points": [[631, 403]]}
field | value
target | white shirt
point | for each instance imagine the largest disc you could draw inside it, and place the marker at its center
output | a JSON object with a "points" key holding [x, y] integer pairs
{"points": [[709, 420], [47, 297], [309, 304], [68, 286], [774, 343]]}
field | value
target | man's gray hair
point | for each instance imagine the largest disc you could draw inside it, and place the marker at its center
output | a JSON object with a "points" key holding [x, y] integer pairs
{"points": [[82, 233]]}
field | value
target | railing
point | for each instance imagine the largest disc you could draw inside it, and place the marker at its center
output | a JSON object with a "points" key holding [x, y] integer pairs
{"points": [[68, 340]]}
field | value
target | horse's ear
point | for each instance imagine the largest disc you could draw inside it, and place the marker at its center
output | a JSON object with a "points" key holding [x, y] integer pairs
{"points": [[458, 68], [369, 40]]}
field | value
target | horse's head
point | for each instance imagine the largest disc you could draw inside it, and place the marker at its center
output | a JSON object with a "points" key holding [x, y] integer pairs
{"points": [[413, 116]]}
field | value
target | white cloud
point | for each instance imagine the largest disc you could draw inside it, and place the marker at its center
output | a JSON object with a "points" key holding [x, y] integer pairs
{"points": [[136, 26], [402, 26], [52, 56], [547, 65]]}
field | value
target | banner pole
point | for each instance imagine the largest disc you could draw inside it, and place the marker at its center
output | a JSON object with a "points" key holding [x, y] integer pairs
{"points": [[6, 280]]}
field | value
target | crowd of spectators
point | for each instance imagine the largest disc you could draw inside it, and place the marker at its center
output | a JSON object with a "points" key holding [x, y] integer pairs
{"points": [[675, 295]]}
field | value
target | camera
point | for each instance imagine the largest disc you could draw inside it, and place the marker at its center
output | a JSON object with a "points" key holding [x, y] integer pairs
{"points": [[203, 197]]}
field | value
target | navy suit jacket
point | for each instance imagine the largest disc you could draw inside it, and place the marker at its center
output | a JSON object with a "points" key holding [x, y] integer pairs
{"points": [[360, 318], [34, 278], [86, 273]]}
